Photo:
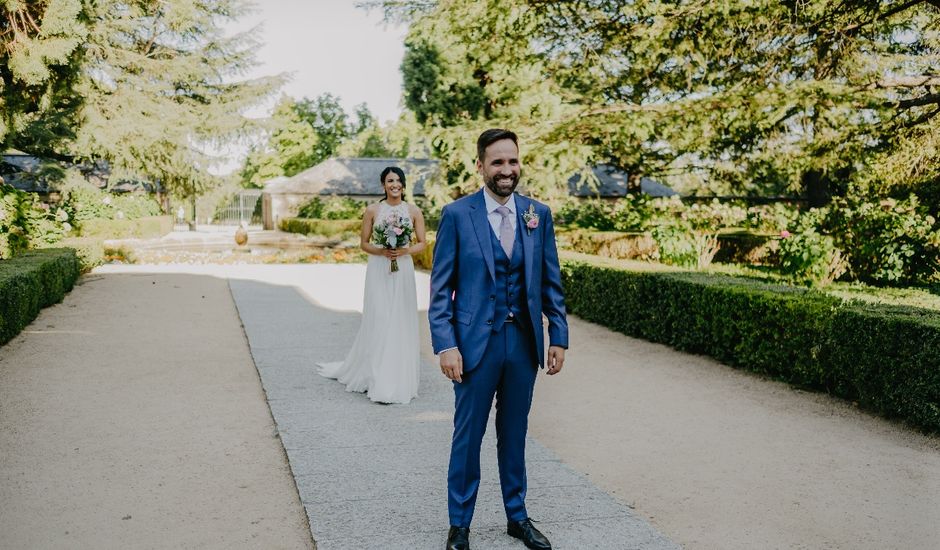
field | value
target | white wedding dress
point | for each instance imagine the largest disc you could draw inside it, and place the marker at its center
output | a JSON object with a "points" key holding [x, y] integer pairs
{"points": [[384, 360]]}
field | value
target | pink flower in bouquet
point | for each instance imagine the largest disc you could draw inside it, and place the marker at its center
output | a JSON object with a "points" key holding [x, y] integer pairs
{"points": [[398, 230]]}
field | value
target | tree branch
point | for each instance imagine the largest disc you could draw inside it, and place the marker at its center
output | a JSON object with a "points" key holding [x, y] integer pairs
{"points": [[906, 81], [33, 22], [922, 118], [929, 99], [851, 29], [623, 108]]}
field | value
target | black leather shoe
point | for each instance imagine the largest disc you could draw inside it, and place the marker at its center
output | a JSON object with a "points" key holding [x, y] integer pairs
{"points": [[528, 534], [458, 538]]}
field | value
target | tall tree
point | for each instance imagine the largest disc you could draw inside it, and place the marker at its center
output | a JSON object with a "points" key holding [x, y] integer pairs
{"points": [[748, 96], [291, 146], [302, 133], [764, 95], [161, 87], [470, 65], [328, 119], [40, 58]]}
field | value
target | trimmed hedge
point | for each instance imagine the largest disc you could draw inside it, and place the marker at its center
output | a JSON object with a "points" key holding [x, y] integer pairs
{"points": [[887, 358], [326, 228], [140, 228], [30, 282]]}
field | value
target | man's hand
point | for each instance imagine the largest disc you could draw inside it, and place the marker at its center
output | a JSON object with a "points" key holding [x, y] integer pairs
{"points": [[452, 364], [556, 359]]}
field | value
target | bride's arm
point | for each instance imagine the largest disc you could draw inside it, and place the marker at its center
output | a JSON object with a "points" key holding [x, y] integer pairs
{"points": [[417, 219]]}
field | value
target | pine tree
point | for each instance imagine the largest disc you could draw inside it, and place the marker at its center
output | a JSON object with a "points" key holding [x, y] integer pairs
{"points": [[741, 96], [39, 64], [161, 88]]}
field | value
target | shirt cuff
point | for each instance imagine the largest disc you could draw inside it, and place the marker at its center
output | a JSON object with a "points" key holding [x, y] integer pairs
{"points": [[448, 349]]}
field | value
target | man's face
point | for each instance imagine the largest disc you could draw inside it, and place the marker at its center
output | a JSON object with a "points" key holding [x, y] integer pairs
{"points": [[500, 167]]}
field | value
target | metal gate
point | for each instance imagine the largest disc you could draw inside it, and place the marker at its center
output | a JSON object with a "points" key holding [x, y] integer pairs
{"points": [[244, 207]]}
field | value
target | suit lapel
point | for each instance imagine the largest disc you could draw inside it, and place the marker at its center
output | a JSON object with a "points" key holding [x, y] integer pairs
{"points": [[481, 226], [528, 238]]}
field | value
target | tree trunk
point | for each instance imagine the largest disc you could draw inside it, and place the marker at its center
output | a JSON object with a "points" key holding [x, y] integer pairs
{"points": [[816, 187], [633, 183], [192, 224]]}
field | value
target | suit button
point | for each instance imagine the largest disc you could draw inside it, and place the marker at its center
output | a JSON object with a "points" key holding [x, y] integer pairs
{"points": [[489, 321], [492, 297]]}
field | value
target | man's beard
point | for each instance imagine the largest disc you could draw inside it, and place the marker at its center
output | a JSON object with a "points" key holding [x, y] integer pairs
{"points": [[501, 191]]}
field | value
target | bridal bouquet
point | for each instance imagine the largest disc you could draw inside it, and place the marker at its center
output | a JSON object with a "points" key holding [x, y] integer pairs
{"points": [[392, 231]]}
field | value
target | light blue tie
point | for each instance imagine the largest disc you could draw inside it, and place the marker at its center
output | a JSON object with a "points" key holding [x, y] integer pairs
{"points": [[506, 234]]}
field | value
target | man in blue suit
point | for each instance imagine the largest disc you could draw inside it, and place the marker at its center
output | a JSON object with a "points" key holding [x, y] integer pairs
{"points": [[495, 275]]}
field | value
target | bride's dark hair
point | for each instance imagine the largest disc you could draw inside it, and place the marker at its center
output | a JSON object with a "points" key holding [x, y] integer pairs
{"points": [[386, 172]]}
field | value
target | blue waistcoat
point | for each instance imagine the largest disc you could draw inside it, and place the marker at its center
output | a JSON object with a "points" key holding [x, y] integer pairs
{"points": [[510, 282]]}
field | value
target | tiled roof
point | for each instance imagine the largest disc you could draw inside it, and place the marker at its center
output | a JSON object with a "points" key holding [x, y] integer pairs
{"points": [[612, 182], [33, 174], [353, 176]]}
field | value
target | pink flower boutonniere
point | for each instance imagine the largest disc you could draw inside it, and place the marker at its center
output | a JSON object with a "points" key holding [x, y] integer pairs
{"points": [[531, 218]]}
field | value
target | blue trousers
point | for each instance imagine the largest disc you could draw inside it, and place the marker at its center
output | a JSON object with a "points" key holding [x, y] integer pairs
{"points": [[506, 372]]}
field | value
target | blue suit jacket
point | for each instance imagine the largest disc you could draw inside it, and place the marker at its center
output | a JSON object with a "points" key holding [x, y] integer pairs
{"points": [[463, 279]]}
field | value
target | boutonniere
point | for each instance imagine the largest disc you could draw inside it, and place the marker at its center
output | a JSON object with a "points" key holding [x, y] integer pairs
{"points": [[531, 218]]}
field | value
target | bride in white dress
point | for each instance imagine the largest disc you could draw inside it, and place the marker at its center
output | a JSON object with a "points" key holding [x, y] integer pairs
{"points": [[385, 359]]}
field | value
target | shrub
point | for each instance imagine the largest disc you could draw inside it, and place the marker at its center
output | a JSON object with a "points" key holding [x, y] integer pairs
{"points": [[141, 228], [26, 222], [677, 245], [135, 206], [31, 281], [887, 242], [636, 213], [89, 251], [771, 218], [884, 357], [710, 217], [810, 258], [84, 201], [332, 208], [333, 229]]}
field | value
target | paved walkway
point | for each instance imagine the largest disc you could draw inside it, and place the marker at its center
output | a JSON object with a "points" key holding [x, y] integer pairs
{"points": [[131, 416], [375, 475]]}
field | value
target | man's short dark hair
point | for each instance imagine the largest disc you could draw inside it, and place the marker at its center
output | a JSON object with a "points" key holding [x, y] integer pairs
{"points": [[491, 136]]}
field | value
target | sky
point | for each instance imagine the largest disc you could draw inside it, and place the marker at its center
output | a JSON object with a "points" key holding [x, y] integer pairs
{"points": [[327, 46]]}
